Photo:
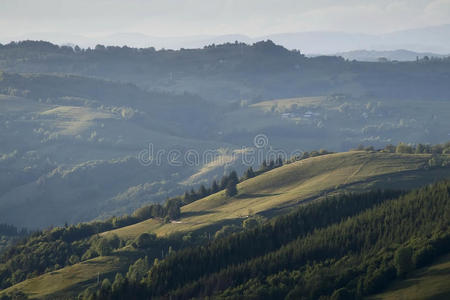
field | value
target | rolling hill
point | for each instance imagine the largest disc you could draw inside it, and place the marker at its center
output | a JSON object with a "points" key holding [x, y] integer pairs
{"points": [[72, 120], [233, 71], [63, 134], [278, 190], [273, 193]]}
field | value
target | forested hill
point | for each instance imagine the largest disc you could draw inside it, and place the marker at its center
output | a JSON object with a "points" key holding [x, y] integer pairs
{"points": [[342, 248], [308, 255], [234, 70], [220, 228]]}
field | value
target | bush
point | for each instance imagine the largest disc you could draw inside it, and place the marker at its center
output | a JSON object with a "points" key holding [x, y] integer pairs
{"points": [[103, 247], [143, 213], [138, 270], [226, 230], [74, 259], [145, 240], [118, 284], [403, 148]]}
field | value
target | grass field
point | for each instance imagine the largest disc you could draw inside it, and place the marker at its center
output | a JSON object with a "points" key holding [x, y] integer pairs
{"points": [[294, 184], [72, 280], [272, 193], [431, 282]]}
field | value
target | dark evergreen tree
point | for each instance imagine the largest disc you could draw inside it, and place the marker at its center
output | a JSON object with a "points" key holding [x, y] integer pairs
{"points": [[249, 173], [193, 195], [202, 191], [279, 162], [264, 166], [233, 178], [271, 164], [231, 189], [214, 187], [187, 198], [223, 182], [173, 209]]}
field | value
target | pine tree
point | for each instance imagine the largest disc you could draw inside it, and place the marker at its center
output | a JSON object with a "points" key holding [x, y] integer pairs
{"points": [[249, 173], [193, 195], [264, 166], [186, 198], [233, 178], [214, 187], [231, 189], [279, 162], [202, 191], [223, 182]]}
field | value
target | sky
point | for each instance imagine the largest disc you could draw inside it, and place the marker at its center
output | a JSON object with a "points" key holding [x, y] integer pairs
{"points": [[165, 18]]}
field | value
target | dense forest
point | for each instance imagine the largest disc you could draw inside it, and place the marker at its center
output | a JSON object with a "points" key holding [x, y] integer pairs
{"points": [[10, 234], [341, 248]]}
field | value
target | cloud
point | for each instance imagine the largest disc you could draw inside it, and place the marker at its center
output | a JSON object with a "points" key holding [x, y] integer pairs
{"points": [[191, 17], [438, 12]]}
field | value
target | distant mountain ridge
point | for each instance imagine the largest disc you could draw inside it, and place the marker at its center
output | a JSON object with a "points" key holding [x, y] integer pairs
{"points": [[428, 39], [394, 55]]}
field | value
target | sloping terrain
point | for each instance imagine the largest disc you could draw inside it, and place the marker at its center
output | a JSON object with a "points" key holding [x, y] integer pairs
{"points": [[71, 280], [343, 121], [426, 283], [272, 193], [67, 139]]}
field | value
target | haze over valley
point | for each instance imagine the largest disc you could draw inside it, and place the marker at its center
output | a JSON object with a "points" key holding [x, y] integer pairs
{"points": [[149, 153]]}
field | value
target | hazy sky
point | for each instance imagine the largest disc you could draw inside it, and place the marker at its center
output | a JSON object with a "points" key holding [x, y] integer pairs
{"points": [[198, 17]]}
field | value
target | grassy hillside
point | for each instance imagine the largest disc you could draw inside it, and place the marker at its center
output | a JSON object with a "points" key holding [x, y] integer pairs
{"points": [[344, 247], [426, 283], [353, 256], [276, 191], [73, 279], [272, 193]]}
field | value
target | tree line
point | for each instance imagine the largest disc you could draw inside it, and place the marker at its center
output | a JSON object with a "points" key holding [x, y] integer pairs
{"points": [[342, 248]]}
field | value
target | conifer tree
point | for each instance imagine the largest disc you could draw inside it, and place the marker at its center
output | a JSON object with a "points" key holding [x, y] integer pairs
{"points": [[233, 178], [249, 173], [231, 189], [279, 162], [202, 192], [214, 187], [223, 182], [264, 166]]}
